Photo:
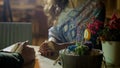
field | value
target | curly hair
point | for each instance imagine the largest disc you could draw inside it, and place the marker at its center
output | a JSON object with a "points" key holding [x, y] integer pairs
{"points": [[61, 3], [54, 8], [57, 7]]}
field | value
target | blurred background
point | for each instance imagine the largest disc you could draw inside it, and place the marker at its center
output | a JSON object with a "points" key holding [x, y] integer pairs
{"points": [[31, 11]]}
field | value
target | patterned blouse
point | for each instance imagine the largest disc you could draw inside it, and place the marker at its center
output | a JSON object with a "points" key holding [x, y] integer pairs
{"points": [[71, 22]]}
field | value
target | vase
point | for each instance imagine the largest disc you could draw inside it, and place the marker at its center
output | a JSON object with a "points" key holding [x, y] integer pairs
{"points": [[111, 52]]}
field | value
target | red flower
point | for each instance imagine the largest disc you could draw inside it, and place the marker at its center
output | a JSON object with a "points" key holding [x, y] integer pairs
{"points": [[108, 31], [95, 26], [114, 17], [111, 31]]}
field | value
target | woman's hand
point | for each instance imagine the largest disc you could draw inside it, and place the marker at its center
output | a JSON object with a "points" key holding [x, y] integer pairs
{"points": [[48, 48], [27, 52]]}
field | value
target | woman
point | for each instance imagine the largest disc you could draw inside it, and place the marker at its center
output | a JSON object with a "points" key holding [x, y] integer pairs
{"points": [[71, 22]]}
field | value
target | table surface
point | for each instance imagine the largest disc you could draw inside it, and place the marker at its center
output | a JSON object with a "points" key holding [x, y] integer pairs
{"points": [[45, 62], [40, 61]]}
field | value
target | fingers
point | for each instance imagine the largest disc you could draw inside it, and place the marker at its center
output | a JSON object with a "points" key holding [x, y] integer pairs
{"points": [[21, 46], [46, 50], [28, 53], [47, 53]]}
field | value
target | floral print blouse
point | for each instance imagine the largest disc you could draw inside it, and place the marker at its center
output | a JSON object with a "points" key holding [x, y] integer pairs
{"points": [[72, 22]]}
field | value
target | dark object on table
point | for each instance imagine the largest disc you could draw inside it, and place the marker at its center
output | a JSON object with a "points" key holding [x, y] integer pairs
{"points": [[10, 60]]}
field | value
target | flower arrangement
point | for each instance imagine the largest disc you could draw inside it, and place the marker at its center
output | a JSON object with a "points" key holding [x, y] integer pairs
{"points": [[109, 31]]}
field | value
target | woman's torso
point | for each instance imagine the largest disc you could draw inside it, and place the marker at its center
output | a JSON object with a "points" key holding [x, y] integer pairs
{"points": [[72, 22]]}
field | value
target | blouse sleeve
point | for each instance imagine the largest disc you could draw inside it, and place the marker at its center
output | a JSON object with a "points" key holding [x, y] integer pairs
{"points": [[54, 34]]}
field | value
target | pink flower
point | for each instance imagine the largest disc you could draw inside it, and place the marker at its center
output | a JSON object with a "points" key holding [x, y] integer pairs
{"points": [[95, 26], [114, 17], [111, 30]]}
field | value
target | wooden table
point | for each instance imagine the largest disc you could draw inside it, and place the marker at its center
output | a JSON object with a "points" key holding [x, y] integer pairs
{"points": [[44, 62], [40, 61]]}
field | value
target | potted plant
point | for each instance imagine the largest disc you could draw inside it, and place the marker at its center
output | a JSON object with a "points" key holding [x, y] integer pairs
{"points": [[81, 56], [110, 37], [109, 34]]}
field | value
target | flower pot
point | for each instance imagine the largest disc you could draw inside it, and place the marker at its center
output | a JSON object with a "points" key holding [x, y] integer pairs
{"points": [[111, 52], [83, 61]]}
